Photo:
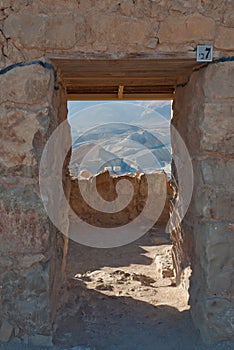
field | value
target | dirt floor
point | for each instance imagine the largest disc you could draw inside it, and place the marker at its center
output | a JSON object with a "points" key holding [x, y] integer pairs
{"points": [[125, 299]]}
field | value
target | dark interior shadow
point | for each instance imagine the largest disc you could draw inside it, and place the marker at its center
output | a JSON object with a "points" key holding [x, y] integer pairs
{"points": [[102, 322]]}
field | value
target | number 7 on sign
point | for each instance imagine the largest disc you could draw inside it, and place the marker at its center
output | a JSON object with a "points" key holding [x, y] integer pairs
{"points": [[204, 53]]}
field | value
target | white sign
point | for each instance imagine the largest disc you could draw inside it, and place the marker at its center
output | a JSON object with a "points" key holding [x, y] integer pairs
{"points": [[204, 53]]}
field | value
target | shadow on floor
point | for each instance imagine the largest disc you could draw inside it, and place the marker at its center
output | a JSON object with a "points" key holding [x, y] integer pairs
{"points": [[121, 323]]}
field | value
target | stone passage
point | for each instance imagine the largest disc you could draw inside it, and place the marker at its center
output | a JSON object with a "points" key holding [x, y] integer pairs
{"points": [[35, 37]]}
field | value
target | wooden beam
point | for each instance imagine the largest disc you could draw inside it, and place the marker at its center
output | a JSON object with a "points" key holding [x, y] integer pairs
{"points": [[113, 97], [120, 91], [132, 77], [116, 81]]}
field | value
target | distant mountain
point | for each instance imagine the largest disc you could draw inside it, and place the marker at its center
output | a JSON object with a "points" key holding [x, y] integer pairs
{"points": [[95, 159], [133, 136]]}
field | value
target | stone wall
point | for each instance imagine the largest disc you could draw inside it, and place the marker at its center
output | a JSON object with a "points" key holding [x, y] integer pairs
{"points": [[106, 186], [205, 239], [110, 28], [30, 250]]}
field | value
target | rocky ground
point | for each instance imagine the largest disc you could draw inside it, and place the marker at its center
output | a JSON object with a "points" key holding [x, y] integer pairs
{"points": [[125, 299]]}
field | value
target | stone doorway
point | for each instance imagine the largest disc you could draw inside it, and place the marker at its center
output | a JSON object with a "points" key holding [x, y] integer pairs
{"points": [[33, 247], [193, 105]]}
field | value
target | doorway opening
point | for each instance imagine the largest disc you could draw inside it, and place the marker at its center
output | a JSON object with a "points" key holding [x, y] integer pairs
{"points": [[129, 290], [109, 285]]}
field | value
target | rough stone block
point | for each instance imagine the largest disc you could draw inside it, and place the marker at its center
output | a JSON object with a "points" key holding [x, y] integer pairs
{"points": [[40, 340], [21, 131], [219, 319], [220, 269], [229, 18], [215, 204], [5, 331], [132, 31], [219, 82], [216, 128], [216, 173], [224, 38], [25, 227], [45, 31], [26, 299], [29, 260], [182, 29], [5, 3], [213, 246], [6, 262], [27, 85]]}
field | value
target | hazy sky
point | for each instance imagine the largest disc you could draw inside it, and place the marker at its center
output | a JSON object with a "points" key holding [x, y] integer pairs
{"points": [[76, 106]]}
